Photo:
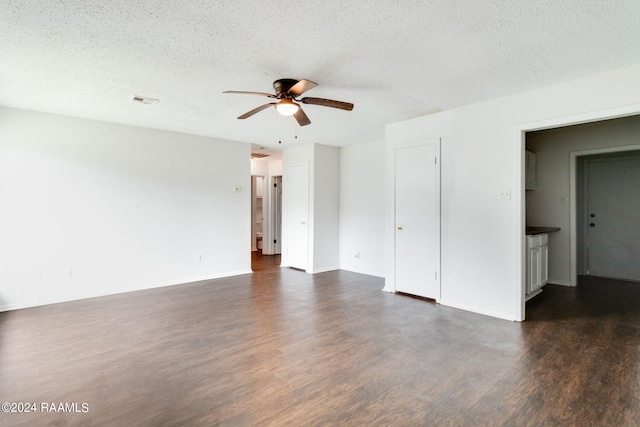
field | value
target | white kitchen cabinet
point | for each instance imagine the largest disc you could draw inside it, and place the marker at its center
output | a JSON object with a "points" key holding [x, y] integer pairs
{"points": [[537, 264], [530, 171]]}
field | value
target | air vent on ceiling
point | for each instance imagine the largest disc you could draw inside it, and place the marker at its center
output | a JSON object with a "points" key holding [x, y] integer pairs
{"points": [[144, 99]]}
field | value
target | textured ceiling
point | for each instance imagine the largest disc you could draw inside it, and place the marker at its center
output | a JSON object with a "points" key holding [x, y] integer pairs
{"points": [[393, 59]]}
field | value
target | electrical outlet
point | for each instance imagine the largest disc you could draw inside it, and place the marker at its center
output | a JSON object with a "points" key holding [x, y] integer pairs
{"points": [[357, 254], [505, 194]]}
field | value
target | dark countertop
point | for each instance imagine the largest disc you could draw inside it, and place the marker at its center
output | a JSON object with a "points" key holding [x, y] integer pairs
{"points": [[530, 231]]}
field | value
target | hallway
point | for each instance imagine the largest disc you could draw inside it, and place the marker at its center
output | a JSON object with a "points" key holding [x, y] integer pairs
{"points": [[264, 263]]}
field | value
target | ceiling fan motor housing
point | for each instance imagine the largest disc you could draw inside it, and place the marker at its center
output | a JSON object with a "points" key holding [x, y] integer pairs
{"points": [[282, 86]]}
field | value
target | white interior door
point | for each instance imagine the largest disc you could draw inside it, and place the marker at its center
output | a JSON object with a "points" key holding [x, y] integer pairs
{"points": [[297, 206], [417, 217], [613, 222]]}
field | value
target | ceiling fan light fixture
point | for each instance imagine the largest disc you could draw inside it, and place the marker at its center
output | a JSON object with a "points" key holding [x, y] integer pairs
{"points": [[287, 92], [287, 107]]}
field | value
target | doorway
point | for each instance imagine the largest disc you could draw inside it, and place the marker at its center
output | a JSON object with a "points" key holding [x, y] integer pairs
{"points": [[257, 212], [276, 216], [555, 201]]}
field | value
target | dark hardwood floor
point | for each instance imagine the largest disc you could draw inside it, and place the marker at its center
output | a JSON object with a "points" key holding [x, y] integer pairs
{"points": [[284, 348]]}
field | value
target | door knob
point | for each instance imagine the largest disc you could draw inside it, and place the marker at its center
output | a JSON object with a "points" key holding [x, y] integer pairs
{"points": [[399, 228], [592, 225]]}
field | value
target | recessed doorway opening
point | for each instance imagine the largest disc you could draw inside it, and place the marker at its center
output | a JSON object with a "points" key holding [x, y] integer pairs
{"points": [[557, 199]]}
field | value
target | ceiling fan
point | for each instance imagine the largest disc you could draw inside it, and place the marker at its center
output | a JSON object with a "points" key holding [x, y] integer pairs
{"points": [[287, 92]]}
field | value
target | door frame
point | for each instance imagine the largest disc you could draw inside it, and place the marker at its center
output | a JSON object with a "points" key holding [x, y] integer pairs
{"points": [[390, 235], [573, 207], [275, 217], [520, 241]]}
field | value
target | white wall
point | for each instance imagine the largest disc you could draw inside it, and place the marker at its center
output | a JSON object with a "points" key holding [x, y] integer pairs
{"points": [[275, 168], [91, 208], [259, 167], [482, 155], [362, 207], [326, 208], [548, 204]]}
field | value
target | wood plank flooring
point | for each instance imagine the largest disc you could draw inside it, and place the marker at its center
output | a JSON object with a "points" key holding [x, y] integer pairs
{"points": [[281, 347]]}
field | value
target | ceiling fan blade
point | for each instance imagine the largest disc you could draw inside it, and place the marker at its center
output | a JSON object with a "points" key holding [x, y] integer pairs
{"points": [[328, 103], [301, 117], [250, 93], [256, 110], [301, 87]]}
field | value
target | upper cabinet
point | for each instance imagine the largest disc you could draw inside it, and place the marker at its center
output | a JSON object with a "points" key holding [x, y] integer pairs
{"points": [[530, 171]]}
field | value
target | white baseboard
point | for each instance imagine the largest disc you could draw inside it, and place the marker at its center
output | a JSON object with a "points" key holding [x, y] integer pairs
{"points": [[477, 310], [41, 302], [559, 282], [323, 270]]}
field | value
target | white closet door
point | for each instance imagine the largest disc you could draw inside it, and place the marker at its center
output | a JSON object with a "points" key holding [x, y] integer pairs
{"points": [[417, 218], [297, 225]]}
